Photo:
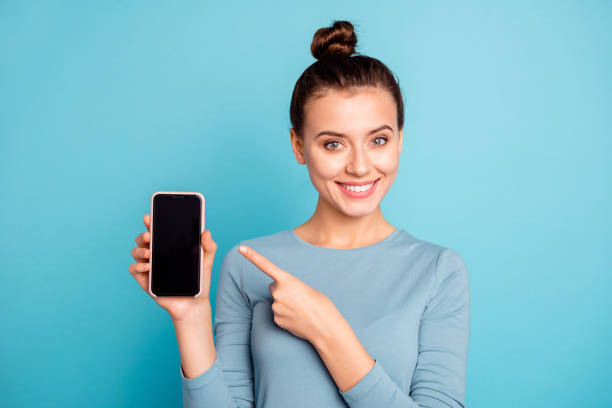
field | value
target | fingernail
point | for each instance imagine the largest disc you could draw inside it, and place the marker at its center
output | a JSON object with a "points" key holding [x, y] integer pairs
{"points": [[242, 249]]}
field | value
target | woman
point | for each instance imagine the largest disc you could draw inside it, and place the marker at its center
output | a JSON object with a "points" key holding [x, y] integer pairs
{"points": [[345, 309]]}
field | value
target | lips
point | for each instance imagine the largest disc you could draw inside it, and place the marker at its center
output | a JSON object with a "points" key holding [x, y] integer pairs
{"points": [[355, 183], [359, 194]]}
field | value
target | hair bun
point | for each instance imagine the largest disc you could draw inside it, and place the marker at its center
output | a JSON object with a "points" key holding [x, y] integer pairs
{"points": [[340, 38]]}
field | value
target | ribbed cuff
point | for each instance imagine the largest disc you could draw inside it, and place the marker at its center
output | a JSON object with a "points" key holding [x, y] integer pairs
{"points": [[203, 379], [364, 385], [432, 394]]}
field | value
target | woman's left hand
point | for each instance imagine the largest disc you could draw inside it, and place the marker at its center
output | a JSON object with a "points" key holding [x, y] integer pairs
{"points": [[302, 310]]}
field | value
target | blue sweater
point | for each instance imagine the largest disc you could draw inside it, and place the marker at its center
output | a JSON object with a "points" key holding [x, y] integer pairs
{"points": [[407, 300]]}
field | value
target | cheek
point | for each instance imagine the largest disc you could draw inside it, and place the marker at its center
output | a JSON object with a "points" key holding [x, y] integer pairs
{"points": [[386, 162], [326, 165], [323, 166]]}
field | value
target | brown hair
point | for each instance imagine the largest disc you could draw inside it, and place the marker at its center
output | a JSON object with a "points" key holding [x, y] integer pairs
{"points": [[338, 69]]}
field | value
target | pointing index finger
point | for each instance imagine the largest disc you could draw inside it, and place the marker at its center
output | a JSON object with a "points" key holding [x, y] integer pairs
{"points": [[263, 263]]}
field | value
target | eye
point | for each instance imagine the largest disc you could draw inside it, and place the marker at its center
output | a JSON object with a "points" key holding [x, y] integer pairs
{"points": [[383, 138], [329, 143], [338, 143]]}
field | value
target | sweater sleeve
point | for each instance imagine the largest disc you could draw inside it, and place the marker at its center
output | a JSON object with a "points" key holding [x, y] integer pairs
{"points": [[228, 383], [439, 377]]}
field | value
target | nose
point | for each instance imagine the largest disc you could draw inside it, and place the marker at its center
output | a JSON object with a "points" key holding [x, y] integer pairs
{"points": [[358, 163]]}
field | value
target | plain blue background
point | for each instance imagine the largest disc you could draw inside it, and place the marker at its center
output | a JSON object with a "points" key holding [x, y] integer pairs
{"points": [[507, 159]]}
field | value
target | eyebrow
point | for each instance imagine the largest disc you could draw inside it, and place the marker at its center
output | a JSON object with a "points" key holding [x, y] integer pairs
{"points": [[329, 132]]}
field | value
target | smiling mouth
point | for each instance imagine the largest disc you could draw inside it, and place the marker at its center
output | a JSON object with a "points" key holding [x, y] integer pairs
{"points": [[357, 188]]}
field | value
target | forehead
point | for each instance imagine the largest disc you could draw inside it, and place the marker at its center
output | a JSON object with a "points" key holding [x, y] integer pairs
{"points": [[354, 112]]}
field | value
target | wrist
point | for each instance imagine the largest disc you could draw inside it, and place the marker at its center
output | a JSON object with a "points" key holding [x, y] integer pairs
{"points": [[333, 329], [198, 316]]}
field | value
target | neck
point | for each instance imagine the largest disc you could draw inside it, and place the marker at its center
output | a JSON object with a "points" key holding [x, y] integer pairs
{"points": [[331, 228]]}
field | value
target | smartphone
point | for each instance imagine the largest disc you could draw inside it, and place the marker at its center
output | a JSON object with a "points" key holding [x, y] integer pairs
{"points": [[177, 223]]}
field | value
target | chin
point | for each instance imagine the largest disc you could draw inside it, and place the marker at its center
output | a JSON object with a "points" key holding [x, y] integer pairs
{"points": [[357, 215], [359, 211], [356, 209]]}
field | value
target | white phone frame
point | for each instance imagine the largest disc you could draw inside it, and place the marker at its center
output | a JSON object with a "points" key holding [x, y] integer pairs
{"points": [[151, 226]]}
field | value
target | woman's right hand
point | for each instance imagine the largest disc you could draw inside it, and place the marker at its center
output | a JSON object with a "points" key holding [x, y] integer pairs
{"points": [[180, 308]]}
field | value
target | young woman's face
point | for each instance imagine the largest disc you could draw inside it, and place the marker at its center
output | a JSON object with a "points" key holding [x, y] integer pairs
{"points": [[351, 138]]}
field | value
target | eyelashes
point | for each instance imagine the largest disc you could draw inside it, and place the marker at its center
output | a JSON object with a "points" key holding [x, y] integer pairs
{"points": [[337, 141], [329, 143]]}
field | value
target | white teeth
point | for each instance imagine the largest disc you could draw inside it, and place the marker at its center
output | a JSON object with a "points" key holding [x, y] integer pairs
{"points": [[357, 189]]}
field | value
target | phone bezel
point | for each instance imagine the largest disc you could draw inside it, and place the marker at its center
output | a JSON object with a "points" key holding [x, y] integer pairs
{"points": [[151, 227]]}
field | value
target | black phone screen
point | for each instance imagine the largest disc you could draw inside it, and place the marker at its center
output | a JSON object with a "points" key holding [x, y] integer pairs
{"points": [[175, 255]]}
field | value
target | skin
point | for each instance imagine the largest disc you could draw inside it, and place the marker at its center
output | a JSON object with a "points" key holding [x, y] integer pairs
{"points": [[192, 317], [338, 222]]}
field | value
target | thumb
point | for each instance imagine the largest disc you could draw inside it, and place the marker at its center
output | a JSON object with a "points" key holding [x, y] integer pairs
{"points": [[210, 248]]}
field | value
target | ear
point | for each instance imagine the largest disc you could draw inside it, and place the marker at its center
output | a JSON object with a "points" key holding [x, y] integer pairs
{"points": [[401, 140], [297, 147]]}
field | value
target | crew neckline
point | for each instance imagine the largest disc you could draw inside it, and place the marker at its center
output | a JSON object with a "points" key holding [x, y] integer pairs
{"points": [[383, 241]]}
